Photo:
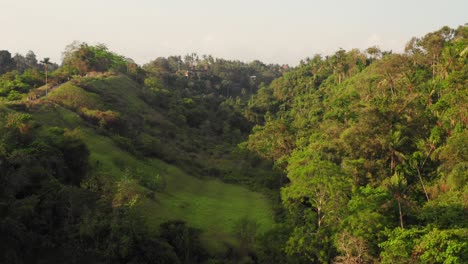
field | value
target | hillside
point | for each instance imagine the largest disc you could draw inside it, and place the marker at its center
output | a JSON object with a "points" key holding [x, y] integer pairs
{"points": [[374, 147], [161, 192], [356, 157], [142, 163]]}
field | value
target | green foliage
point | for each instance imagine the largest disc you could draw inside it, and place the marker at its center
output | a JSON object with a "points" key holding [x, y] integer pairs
{"points": [[444, 246], [315, 247], [316, 185], [425, 246], [358, 145], [271, 246], [272, 141], [314, 198], [367, 218], [398, 248], [446, 211], [389, 127], [80, 58], [185, 240], [42, 203], [13, 84]]}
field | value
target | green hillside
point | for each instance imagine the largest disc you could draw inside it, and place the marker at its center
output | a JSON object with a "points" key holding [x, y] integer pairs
{"points": [[204, 202]]}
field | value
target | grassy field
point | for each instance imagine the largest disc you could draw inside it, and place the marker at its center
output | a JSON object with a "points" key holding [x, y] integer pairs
{"points": [[208, 204], [205, 203]]}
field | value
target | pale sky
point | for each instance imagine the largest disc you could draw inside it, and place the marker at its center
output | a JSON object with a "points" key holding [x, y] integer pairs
{"points": [[272, 31]]}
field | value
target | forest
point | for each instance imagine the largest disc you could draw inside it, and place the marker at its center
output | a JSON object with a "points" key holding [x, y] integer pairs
{"points": [[359, 156]]}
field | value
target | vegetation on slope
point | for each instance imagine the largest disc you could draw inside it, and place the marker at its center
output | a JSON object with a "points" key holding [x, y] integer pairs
{"points": [[137, 206], [374, 148], [358, 157]]}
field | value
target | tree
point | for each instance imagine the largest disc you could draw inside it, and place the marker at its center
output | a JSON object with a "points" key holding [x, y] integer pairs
{"points": [[315, 183], [353, 249], [397, 140], [374, 52], [367, 217], [273, 141], [417, 162], [81, 58], [391, 71], [6, 62], [340, 66], [425, 245], [397, 186], [315, 199], [20, 62], [185, 240], [31, 59], [46, 62]]}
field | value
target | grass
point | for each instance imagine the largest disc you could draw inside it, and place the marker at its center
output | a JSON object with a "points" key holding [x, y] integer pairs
{"points": [[123, 95], [205, 203], [74, 97], [119, 90], [208, 204], [54, 115]]}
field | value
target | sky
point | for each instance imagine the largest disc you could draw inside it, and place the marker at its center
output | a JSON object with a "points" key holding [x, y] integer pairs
{"points": [[273, 31]]}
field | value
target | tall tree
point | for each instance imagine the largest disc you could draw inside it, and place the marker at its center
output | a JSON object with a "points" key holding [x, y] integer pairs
{"points": [[397, 186], [31, 59], [20, 62], [6, 62], [46, 62]]}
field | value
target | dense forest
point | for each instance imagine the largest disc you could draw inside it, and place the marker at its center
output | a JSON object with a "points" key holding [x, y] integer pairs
{"points": [[355, 157]]}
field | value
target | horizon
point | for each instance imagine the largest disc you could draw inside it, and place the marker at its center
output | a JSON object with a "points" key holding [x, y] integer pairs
{"points": [[268, 31]]}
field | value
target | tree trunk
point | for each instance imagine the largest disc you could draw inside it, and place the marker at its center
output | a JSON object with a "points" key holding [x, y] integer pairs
{"points": [[399, 211], [422, 183], [419, 168], [46, 71], [392, 161], [319, 218]]}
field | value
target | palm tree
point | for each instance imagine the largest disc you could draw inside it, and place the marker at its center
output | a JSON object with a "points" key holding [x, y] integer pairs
{"points": [[397, 187], [397, 140], [46, 63], [417, 162]]}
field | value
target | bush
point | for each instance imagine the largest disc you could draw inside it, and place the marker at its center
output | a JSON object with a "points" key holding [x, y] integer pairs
{"points": [[105, 119], [13, 96]]}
